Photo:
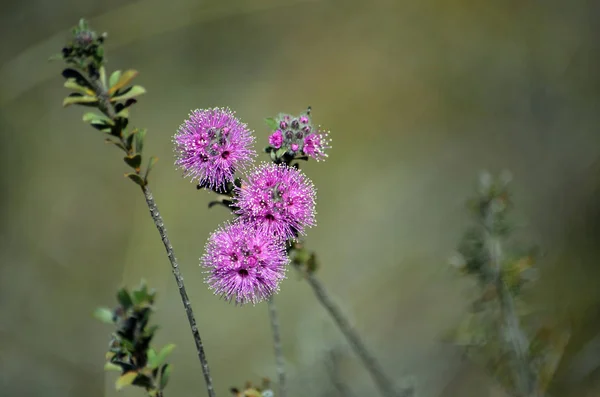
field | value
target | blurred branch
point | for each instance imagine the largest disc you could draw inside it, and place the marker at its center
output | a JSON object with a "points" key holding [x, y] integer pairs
{"points": [[334, 373], [384, 384], [279, 361]]}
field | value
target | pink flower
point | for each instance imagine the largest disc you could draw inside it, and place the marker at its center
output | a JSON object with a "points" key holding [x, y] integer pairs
{"points": [[276, 139], [299, 135], [278, 199], [315, 145], [211, 145], [244, 265]]}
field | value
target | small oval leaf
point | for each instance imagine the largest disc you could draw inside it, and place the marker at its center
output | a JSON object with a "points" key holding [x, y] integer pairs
{"points": [[123, 113], [102, 72], [80, 99], [140, 136], [151, 162], [136, 178], [136, 90], [151, 354], [71, 83], [104, 314], [124, 79], [95, 118], [70, 73], [271, 123], [114, 77], [165, 373], [125, 379], [160, 358], [134, 161], [112, 367], [124, 298]]}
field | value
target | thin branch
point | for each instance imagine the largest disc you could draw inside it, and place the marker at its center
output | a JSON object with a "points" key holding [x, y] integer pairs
{"points": [[277, 345], [384, 384], [158, 222], [107, 108]]}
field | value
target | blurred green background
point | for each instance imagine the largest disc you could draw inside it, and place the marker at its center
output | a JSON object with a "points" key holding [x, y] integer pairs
{"points": [[419, 96]]}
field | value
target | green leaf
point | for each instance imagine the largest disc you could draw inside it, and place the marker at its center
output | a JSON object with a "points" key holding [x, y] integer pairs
{"points": [[117, 144], [136, 178], [123, 113], [114, 77], [141, 295], [79, 99], [151, 162], [151, 330], [102, 72], [83, 24], [165, 373], [124, 298], [280, 152], [133, 92], [70, 73], [151, 353], [271, 123], [160, 358], [112, 367], [126, 379], [95, 118], [129, 139], [139, 140], [134, 162], [104, 314], [124, 79]]}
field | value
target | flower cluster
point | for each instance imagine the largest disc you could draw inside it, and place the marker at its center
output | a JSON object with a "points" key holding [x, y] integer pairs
{"points": [[279, 199], [246, 259], [297, 135], [211, 145], [244, 264]]}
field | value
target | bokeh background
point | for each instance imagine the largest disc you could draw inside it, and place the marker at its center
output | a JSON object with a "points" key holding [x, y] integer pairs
{"points": [[419, 96]]}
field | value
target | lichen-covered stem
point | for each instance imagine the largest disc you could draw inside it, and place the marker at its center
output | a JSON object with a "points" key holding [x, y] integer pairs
{"points": [[107, 108], [158, 222], [277, 346], [384, 384]]}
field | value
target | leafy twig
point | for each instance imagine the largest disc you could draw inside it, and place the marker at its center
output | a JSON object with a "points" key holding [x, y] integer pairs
{"points": [[88, 78]]}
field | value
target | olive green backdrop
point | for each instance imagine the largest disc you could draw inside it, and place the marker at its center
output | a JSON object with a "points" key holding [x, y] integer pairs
{"points": [[419, 96]]}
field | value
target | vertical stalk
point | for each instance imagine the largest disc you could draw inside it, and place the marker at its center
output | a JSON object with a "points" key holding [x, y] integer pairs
{"points": [[279, 361], [158, 222], [107, 108]]}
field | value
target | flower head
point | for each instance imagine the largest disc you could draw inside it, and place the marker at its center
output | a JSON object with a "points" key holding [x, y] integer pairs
{"points": [[300, 136], [211, 144], [244, 265], [279, 199], [276, 139]]}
